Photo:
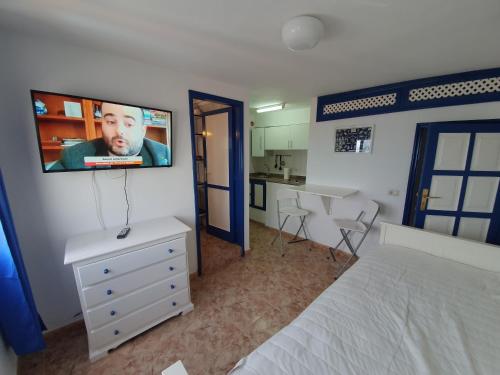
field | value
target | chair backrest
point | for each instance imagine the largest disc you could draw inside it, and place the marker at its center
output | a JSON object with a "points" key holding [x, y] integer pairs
{"points": [[369, 214], [287, 198], [283, 194]]}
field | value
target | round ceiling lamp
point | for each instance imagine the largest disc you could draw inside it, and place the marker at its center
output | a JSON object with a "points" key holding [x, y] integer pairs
{"points": [[302, 32]]}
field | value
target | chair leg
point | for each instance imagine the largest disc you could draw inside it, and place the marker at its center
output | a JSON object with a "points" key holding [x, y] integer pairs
{"points": [[296, 234], [332, 253], [307, 234], [281, 237], [332, 249], [342, 269], [345, 237], [281, 226], [302, 222]]}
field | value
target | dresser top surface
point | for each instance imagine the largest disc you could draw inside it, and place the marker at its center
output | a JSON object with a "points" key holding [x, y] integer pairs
{"points": [[93, 244]]}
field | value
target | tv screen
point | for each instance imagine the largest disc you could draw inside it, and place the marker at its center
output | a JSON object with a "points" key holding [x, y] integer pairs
{"points": [[78, 134]]}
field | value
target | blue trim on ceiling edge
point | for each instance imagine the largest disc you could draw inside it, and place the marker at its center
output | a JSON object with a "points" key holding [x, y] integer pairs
{"points": [[402, 90]]}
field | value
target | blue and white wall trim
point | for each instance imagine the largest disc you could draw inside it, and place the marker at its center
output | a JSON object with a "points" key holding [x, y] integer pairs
{"points": [[454, 89]]}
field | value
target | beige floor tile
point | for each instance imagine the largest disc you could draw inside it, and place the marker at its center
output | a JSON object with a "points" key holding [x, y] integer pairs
{"points": [[239, 303]]}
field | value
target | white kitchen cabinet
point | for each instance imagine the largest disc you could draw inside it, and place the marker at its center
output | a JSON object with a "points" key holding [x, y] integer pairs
{"points": [[299, 137], [277, 138], [258, 141], [287, 137]]}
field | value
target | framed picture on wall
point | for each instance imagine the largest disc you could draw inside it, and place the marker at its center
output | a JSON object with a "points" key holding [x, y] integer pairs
{"points": [[357, 139]]}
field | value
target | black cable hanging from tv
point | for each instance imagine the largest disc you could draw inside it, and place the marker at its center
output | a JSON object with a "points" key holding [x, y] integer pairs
{"points": [[126, 196]]}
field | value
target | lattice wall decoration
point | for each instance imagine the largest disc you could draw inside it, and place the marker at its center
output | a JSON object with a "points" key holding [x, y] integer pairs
{"points": [[356, 105], [478, 86], [454, 89]]}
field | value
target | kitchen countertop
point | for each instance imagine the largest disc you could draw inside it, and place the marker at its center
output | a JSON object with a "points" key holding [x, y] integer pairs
{"points": [[278, 178]]}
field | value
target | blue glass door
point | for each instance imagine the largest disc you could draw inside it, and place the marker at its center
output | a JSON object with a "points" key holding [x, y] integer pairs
{"points": [[219, 179]]}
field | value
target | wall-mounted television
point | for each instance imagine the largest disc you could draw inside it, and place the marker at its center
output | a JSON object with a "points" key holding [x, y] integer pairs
{"points": [[79, 134]]}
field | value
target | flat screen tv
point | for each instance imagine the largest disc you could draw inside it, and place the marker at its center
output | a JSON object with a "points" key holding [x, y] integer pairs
{"points": [[80, 134]]}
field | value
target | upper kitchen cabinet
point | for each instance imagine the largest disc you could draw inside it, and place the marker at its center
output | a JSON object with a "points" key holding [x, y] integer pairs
{"points": [[288, 137], [258, 142], [299, 137], [287, 129], [277, 138]]}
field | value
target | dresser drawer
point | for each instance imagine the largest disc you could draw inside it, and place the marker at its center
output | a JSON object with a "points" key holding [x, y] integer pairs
{"points": [[123, 285], [122, 328], [109, 268], [123, 306]]}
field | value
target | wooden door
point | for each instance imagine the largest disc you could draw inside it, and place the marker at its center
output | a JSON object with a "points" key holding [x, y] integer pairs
{"points": [[458, 189]]}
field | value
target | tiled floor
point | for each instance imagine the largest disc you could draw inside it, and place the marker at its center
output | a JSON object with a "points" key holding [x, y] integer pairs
{"points": [[239, 303]]}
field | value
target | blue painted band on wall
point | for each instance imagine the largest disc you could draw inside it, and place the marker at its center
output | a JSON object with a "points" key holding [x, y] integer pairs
{"points": [[477, 86]]}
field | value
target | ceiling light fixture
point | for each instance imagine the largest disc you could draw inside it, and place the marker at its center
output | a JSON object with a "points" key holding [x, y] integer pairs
{"points": [[269, 108], [302, 32]]}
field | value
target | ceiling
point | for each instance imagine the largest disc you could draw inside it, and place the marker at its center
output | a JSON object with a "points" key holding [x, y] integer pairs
{"points": [[203, 106], [367, 42]]}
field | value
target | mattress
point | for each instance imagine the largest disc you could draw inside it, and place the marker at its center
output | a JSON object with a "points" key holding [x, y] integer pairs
{"points": [[396, 311]]}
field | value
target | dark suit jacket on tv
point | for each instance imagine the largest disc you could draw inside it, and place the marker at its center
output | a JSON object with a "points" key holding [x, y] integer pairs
{"points": [[153, 154]]}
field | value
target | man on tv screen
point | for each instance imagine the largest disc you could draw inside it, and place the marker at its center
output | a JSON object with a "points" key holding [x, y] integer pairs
{"points": [[123, 142]]}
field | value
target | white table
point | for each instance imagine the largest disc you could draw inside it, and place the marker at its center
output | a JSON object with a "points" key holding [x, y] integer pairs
{"points": [[326, 193]]}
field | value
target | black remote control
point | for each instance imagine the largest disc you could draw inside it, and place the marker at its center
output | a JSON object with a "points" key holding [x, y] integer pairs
{"points": [[123, 233]]}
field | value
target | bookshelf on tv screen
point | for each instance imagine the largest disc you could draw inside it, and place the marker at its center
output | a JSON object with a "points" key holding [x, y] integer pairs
{"points": [[77, 134]]}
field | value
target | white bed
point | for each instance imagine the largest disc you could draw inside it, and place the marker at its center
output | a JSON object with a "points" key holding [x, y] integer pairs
{"points": [[397, 311]]}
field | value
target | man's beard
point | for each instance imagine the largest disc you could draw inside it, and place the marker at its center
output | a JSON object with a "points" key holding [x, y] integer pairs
{"points": [[132, 149]]}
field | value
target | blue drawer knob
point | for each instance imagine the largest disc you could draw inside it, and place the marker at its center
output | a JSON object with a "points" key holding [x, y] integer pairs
{"points": [[174, 303], [106, 270], [112, 312], [171, 268], [116, 332], [170, 251], [109, 292], [172, 286]]}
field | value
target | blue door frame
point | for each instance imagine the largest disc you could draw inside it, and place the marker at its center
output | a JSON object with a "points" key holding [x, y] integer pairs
{"points": [[424, 152], [237, 175]]}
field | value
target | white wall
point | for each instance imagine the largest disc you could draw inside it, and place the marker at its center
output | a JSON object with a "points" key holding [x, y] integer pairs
{"points": [[8, 360], [48, 208], [387, 168]]}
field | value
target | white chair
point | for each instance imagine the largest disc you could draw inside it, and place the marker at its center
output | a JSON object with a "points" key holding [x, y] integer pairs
{"points": [[362, 225], [288, 205]]}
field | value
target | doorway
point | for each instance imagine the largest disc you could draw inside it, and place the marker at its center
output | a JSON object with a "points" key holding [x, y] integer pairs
{"points": [[453, 186], [218, 170]]}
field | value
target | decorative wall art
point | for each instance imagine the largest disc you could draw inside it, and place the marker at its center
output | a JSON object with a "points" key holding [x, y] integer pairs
{"points": [[354, 139]]}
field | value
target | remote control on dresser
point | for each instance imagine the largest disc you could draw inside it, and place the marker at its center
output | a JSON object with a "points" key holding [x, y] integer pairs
{"points": [[123, 233]]}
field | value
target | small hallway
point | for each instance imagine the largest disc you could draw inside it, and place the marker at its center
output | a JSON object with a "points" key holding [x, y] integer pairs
{"points": [[239, 303]]}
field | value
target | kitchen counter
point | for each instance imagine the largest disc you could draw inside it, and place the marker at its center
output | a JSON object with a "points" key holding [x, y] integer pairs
{"points": [[278, 178]]}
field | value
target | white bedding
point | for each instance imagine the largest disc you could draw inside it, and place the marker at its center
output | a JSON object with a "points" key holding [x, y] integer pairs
{"points": [[396, 311]]}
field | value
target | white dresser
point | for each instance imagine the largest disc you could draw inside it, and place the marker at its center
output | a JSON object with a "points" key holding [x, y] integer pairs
{"points": [[128, 286]]}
